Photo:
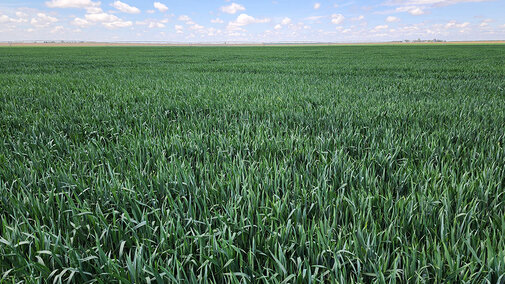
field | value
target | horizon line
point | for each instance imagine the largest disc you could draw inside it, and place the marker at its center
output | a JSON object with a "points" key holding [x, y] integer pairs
{"points": [[237, 43]]}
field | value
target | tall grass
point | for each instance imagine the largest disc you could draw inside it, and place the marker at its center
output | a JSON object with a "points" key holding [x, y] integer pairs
{"points": [[252, 165]]}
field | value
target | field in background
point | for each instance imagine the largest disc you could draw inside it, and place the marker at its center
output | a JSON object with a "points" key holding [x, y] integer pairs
{"points": [[253, 164], [94, 44]]}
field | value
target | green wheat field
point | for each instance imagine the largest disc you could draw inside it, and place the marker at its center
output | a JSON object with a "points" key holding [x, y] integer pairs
{"points": [[337, 164]]}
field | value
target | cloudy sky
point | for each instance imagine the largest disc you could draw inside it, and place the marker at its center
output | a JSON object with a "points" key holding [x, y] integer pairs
{"points": [[253, 21]]}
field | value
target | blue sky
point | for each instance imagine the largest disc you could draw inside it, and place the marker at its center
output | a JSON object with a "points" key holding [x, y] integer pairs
{"points": [[251, 21]]}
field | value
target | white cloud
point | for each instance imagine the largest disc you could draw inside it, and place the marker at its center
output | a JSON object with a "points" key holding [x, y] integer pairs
{"points": [[4, 19], [125, 8], [217, 21], [21, 15], [179, 29], [413, 10], [432, 2], [101, 17], [21, 18], [57, 29], [232, 8], [90, 6], [359, 18], [380, 27], [184, 18], [454, 24], [152, 23], [337, 19], [317, 6], [243, 20], [118, 24], [81, 22], [42, 20], [392, 19], [278, 27], [156, 25], [196, 27], [107, 20], [191, 24], [485, 23], [160, 6], [419, 7], [213, 32], [286, 21], [314, 18]]}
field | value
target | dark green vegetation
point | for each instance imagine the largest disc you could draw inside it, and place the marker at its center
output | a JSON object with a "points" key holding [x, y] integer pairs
{"points": [[257, 164]]}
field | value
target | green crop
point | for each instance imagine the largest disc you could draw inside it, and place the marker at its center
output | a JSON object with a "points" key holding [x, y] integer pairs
{"points": [[252, 164]]}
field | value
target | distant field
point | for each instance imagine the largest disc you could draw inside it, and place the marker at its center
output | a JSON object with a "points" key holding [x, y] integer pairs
{"points": [[253, 164], [86, 44]]}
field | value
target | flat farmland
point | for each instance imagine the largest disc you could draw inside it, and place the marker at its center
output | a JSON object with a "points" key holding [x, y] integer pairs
{"points": [[309, 164]]}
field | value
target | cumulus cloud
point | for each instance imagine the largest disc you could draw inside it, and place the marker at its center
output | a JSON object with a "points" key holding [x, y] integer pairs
{"points": [[179, 29], [125, 8], [317, 6], [392, 19], [107, 20], [160, 6], [454, 24], [419, 7], [21, 15], [213, 32], [431, 2], [337, 19], [286, 21], [4, 19], [379, 28], [190, 23], [118, 24], [153, 23], [232, 8], [81, 22], [314, 18], [243, 20], [413, 10], [57, 29], [90, 6], [196, 27], [42, 20], [101, 17], [184, 18], [485, 23], [217, 21]]}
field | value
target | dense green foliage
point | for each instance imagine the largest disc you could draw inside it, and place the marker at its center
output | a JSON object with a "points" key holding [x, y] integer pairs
{"points": [[253, 164]]}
